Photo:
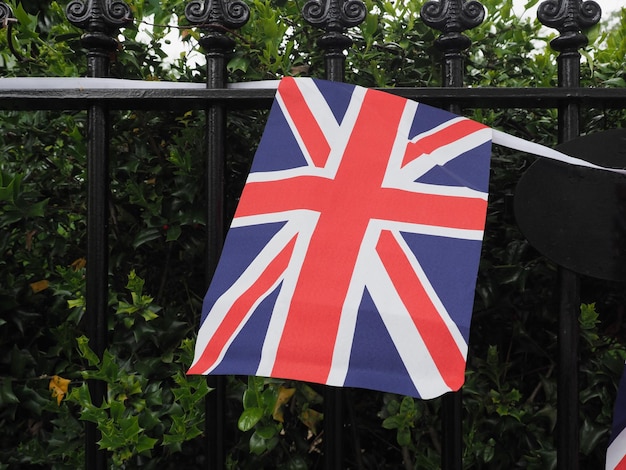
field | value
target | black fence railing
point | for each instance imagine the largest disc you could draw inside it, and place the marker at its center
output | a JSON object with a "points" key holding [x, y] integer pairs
{"points": [[101, 20]]}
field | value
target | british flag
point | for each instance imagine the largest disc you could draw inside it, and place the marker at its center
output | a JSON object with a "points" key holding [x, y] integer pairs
{"points": [[353, 254], [616, 453]]}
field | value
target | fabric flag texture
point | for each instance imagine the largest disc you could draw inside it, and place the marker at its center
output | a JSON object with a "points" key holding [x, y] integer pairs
{"points": [[616, 453], [353, 254]]}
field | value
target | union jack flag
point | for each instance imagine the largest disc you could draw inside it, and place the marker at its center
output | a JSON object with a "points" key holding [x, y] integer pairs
{"points": [[353, 254], [616, 453]]}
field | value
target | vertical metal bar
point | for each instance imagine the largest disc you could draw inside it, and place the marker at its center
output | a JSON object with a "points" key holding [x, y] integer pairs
{"points": [[215, 17], [334, 19], [569, 19], [333, 397], [452, 403], [97, 250], [568, 440], [333, 427], [97, 264], [452, 432], [215, 138], [452, 17], [335, 66], [100, 24]]}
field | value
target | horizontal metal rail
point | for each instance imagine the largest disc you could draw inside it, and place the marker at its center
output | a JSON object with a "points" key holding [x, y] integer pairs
{"points": [[194, 98]]}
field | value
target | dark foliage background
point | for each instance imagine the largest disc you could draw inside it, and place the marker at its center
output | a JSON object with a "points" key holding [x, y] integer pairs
{"points": [[154, 414]]}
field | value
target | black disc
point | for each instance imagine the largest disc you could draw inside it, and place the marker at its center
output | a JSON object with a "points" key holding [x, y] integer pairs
{"points": [[576, 216]]}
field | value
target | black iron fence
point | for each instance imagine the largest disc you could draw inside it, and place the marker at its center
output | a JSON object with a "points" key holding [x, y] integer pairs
{"points": [[216, 20]]}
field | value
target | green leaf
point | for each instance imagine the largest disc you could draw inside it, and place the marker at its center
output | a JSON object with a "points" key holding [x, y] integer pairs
{"points": [[249, 418], [258, 445], [145, 443], [29, 21], [590, 435], [588, 316], [6, 189], [369, 27], [117, 410], [404, 437], [74, 303], [130, 428], [135, 283], [238, 63], [145, 236], [297, 463], [617, 81], [36, 209], [7, 397], [269, 397], [126, 308], [268, 431], [489, 450], [86, 352], [407, 406], [250, 399], [109, 369], [173, 233], [149, 313], [393, 422]]}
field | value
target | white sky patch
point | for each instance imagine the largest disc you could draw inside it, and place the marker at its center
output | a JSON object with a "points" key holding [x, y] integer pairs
{"points": [[174, 46]]}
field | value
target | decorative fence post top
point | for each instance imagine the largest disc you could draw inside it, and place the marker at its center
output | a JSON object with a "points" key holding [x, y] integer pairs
{"points": [[5, 14], [104, 16], [569, 17], [452, 17], [334, 16], [100, 19], [217, 17]]}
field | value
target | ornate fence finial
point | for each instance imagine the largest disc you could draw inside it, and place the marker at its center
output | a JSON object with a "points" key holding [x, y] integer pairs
{"points": [[5, 14], [100, 19], [217, 17], [334, 16], [7, 20], [452, 17], [569, 17]]}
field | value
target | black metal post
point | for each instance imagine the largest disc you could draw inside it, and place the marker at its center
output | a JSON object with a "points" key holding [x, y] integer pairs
{"points": [[101, 21], [452, 17], [569, 17], [215, 17], [334, 16]]}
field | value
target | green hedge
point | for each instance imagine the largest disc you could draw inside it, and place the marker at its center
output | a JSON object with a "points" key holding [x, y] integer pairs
{"points": [[153, 416]]}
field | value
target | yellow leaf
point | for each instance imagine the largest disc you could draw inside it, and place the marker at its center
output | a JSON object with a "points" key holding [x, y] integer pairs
{"points": [[29, 239], [79, 264], [58, 386], [284, 395], [311, 418], [39, 286]]}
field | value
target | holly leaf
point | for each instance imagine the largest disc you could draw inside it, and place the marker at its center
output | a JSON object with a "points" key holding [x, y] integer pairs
{"points": [[58, 386]]}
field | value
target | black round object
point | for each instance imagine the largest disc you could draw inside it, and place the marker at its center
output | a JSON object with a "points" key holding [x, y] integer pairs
{"points": [[576, 216]]}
